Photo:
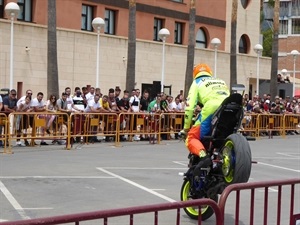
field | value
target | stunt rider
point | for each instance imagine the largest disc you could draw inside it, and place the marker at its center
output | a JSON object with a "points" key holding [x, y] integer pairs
{"points": [[210, 92]]}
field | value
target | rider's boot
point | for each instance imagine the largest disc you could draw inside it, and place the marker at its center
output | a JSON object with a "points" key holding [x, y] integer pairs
{"points": [[205, 161]]}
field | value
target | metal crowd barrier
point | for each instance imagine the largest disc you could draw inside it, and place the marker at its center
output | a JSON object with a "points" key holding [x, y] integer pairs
{"points": [[249, 124], [291, 122], [253, 188], [38, 126], [131, 212], [115, 127], [4, 123], [87, 127], [139, 124], [271, 122], [171, 124]]}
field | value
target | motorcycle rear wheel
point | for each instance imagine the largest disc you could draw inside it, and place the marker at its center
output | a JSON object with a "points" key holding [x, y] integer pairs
{"points": [[193, 212], [237, 160]]}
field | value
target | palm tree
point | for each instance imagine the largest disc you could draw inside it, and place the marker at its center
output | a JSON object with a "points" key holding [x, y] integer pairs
{"points": [[52, 68], [274, 63], [233, 69], [131, 50], [191, 48]]}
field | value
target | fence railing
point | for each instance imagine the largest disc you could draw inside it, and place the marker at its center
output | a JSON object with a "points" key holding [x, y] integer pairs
{"points": [[237, 188], [130, 212], [86, 127], [219, 209]]}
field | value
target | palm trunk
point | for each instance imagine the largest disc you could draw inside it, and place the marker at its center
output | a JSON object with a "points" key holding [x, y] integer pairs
{"points": [[233, 60], [191, 48], [274, 64], [131, 51], [52, 67]]}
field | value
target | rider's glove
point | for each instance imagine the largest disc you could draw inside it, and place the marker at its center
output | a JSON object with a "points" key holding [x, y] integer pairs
{"points": [[183, 133]]}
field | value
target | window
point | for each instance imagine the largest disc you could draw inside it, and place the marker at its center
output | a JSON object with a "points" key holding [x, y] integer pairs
{"points": [[296, 26], [25, 13], [243, 44], [295, 8], [86, 17], [284, 9], [201, 39], [178, 33], [1, 8], [110, 18], [283, 26], [158, 24], [245, 3]]}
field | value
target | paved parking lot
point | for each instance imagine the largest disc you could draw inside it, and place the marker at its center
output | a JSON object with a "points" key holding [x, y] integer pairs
{"points": [[47, 181]]}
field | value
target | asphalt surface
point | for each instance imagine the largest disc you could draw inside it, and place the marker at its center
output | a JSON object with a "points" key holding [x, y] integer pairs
{"points": [[48, 181]]}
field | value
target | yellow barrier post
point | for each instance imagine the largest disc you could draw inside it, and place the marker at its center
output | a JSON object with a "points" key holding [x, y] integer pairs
{"points": [[4, 123]]}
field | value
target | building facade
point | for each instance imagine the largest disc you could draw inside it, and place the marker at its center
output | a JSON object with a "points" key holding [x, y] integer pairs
{"points": [[77, 42]]}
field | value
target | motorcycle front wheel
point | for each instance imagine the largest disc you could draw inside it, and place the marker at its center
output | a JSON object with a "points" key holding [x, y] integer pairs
{"points": [[237, 160], [193, 212]]}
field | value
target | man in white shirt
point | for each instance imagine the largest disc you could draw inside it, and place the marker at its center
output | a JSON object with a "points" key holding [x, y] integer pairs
{"points": [[94, 105], [134, 103], [90, 96], [39, 105]]}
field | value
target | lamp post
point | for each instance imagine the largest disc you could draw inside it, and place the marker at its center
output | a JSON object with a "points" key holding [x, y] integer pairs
{"points": [[258, 49], [216, 43], [163, 34], [97, 24], [12, 9], [294, 53]]}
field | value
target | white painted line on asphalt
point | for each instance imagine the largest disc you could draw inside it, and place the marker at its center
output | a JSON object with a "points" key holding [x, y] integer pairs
{"points": [[279, 167], [42, 208], [289, 154], [140, 168], [181, 163], [137, 185], [278, 158], [1, 220], [56, 177], [13, 201], [158, 189]]}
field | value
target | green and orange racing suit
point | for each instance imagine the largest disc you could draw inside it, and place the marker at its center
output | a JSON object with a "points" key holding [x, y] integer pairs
{"points": [[210, 92]]}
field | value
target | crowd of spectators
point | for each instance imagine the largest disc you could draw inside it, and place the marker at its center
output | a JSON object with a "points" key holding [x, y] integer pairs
{"points": [[266, 105], [87, 100]]}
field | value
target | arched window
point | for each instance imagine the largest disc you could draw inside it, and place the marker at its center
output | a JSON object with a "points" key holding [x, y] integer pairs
{"points": [[244, 44], [245, 3], [201, 39]]}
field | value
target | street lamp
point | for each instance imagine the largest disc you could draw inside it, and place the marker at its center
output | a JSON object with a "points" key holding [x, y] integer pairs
{"points": [[97, 24], [163, 34], [258, 49], [294, 53], [12, 9], [216, 43]]}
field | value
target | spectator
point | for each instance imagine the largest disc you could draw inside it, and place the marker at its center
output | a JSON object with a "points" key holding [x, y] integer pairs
{"points": [[164, 103], [287, 79], [94, 105], [78, 102], [69, 98], [84, 92], [123, 104], [134, 101], [98, 91], [117, 93], [145, 101], [51, 106], [22, 120], [280, 78], [38, 105], [154, 106], [177, 105], [90, 96], [62, 104], [112, 100], [10, 102], [105, 104]]}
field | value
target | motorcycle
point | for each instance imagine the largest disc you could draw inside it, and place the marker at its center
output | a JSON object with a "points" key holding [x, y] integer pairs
{"points": [[229, 152]]}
